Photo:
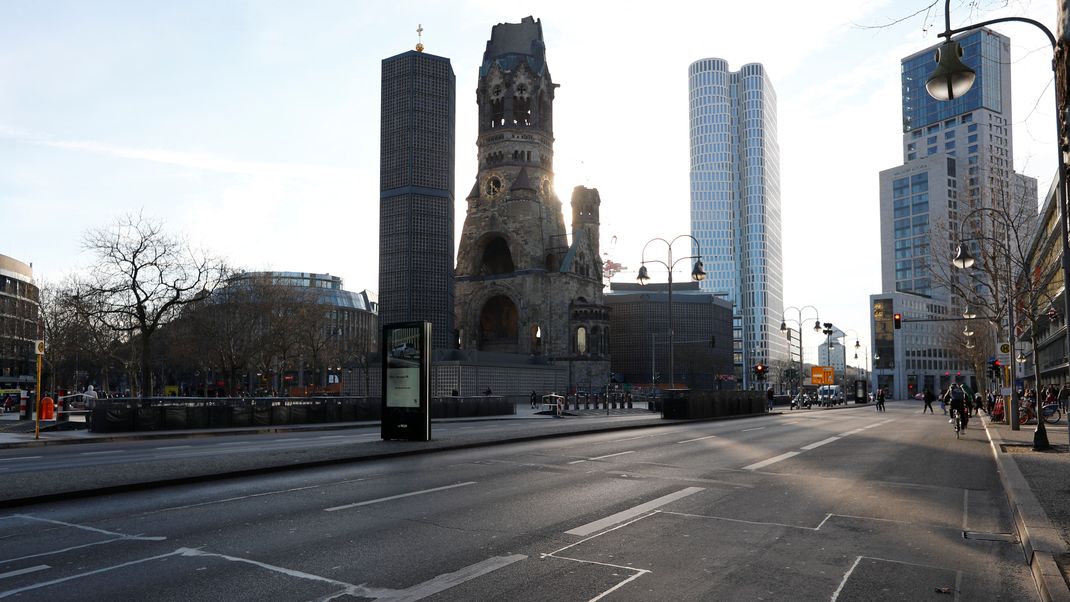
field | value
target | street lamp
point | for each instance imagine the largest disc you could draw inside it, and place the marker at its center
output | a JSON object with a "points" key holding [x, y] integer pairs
{"points": [[799, 323], [697, 274], [950, 80], [964, 260]]}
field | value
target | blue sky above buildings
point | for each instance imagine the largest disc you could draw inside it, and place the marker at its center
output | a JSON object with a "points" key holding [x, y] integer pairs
{"points": [[253, 126]]}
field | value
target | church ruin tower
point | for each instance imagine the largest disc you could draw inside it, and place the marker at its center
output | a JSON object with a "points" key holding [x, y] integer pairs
{"points": [[523, 285]]}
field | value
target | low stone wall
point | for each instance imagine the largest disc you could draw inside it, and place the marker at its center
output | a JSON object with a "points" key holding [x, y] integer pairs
{"points": [[172, 413], [685, 405]]}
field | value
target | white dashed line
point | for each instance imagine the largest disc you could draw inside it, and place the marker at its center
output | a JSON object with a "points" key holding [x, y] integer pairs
{"points": [[698, 439], [399, 496], [754, 429], [820, 443], [174, 447], [624, 515], [19, 458], [100, 453], [32, 569], [773, 460]]}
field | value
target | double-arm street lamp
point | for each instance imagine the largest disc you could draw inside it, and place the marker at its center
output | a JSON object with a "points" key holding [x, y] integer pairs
{"points": [[952, 79], [963, 259], [697, 274], [799, 322]]}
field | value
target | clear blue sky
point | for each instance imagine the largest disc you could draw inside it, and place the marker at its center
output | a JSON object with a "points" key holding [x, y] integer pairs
{"points": [[253, 126]]}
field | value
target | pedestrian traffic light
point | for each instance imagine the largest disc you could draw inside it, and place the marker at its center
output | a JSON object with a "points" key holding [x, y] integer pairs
{"points": [[897, 319], [759, 371]]}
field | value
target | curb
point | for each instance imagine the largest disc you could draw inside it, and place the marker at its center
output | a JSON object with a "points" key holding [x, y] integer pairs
{"points": [[1041, 542]]}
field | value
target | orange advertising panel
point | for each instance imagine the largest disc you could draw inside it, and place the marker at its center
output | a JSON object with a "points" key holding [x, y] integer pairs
{"points": [[822, 375]]}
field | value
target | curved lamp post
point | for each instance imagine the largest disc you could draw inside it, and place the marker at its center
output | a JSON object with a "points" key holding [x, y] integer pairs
{"points": [[952, 79], [697, 274], [799, 322], [964, 260]]}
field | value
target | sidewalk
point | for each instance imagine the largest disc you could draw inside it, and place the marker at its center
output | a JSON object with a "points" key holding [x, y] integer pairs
{"points": [[1036, 486]]}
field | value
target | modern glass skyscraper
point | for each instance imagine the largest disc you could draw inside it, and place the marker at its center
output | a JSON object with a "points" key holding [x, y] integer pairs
{"points": [[416, 193], [957, 157], [735, 201]]}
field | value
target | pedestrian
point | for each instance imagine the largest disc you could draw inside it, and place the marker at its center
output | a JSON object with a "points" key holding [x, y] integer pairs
{"points": [[534, 398], [929, 398], [769, 395], [945, 398], [880, 399], [1064, 398]]}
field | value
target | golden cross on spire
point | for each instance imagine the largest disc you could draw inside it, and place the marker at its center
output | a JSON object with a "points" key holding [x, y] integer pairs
{"points": [[420, 33]]}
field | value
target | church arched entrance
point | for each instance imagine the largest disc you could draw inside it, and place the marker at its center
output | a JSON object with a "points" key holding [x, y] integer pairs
{"points": [[498, 325]]}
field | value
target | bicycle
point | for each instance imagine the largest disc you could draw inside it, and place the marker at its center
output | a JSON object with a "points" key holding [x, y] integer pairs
{"points": [[955, 422], [1051, 412]]}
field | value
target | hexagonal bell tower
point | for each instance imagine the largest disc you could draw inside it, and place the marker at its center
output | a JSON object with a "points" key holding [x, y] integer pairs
{"points": [[517, 273]]}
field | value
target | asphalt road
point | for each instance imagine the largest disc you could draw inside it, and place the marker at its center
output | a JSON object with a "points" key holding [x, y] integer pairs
{"points": [[843, 505]]}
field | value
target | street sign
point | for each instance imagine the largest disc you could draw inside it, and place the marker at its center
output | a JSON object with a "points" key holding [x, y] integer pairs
{"points": [[40, 347], [822, 375], [1004, 354]]}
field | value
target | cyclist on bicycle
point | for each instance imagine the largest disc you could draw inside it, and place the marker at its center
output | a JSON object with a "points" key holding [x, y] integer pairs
{"points": [[958, 405]]}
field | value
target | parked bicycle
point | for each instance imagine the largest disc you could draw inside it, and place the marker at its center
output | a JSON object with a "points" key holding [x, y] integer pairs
{"points": [[1051, 412]]}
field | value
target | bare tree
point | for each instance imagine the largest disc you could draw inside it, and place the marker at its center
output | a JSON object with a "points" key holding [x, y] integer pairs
{"points": [[140, 280]]}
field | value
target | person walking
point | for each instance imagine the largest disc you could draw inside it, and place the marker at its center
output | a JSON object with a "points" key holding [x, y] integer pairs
{"points": [[534, 399], [880, 399], [769, 395], [929, 399]]}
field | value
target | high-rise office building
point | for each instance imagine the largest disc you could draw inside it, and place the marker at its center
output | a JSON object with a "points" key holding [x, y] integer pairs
{"points": [[957, 158], [416, 193], [735, 202]]}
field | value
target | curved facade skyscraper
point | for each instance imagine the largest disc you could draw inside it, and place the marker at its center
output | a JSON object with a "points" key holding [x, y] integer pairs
{"points": [[735, 201]]}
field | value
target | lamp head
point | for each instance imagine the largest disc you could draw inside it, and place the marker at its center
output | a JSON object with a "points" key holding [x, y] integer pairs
{"points": [[643, 276], [783, 326], [817, 326], [698, 274], [963, 259], [952, 78]]}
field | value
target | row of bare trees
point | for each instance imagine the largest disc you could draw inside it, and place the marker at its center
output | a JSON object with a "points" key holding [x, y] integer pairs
{"points": [[153, 311]]}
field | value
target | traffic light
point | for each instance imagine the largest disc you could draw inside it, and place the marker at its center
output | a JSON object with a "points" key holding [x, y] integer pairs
{"points": [[995, 368], [759, 371], [897, 319]]}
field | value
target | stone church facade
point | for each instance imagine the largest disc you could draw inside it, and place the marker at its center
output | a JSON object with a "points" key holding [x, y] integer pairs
{"points": [[523, 285]]}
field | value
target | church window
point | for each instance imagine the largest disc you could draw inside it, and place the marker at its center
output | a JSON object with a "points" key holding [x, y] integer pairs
{"points": [[498, 324], [497, 259], [581, 340]]}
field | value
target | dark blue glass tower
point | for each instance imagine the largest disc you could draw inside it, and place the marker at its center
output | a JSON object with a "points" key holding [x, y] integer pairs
{"points": [[416, 193]]}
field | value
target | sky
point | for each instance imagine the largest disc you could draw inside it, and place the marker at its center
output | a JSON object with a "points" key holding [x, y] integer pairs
{"points": [[252, 127]]}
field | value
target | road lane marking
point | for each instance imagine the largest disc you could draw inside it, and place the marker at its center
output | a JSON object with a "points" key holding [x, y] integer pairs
{"points": [[101, 453], [174, 447], [849, 433], [448, 580], [753, 429], [230, 499], [19, 458], [399, 496], [698, 439], [773, 460], [846, 576], [620, 517], [12, 592], [236, 443], [601, 457], [32, 569], [820, 443]]}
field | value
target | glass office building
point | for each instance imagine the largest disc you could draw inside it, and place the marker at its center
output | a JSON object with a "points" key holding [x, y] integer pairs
{"points": [[735, 201], [957, 157]]}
